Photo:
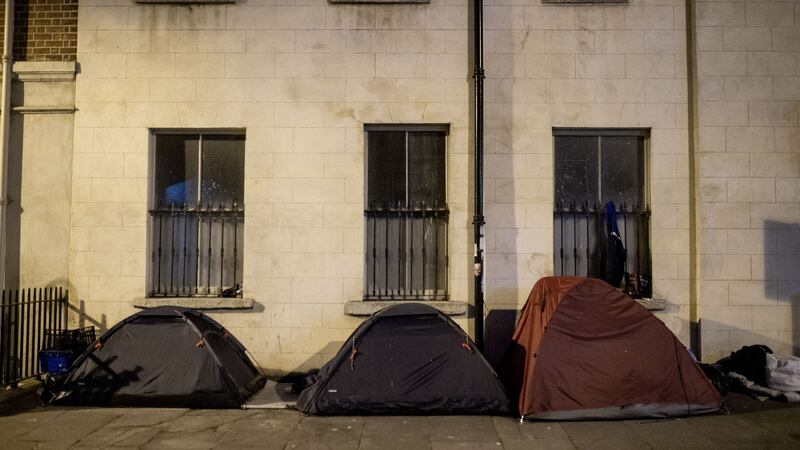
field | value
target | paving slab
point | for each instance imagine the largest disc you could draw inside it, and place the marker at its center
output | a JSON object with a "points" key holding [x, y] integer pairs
{"points": [[268, 431], [472, 429], [206, 419], [466, 445], [147, 417], [396, 432], [186, 440], [509, 427], [527, 444], [327, 433], [119, 437]]}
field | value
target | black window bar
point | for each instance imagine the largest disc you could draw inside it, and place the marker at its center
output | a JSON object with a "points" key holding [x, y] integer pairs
{"points": [[196, 251], [406, 257], [579, 232]]}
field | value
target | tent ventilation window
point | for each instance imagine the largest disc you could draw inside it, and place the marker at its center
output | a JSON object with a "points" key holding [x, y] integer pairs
{"points": [[406, 213]]}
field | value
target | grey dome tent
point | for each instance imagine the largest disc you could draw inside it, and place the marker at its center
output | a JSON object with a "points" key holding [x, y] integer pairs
{"points": [[167, 356], [406, 359]]}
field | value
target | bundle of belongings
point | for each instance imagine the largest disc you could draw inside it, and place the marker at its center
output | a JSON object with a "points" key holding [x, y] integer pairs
{"points": [[755, 370]]}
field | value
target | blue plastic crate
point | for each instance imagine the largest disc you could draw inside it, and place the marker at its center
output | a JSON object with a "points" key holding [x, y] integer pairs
{"points": [[56, 361]]}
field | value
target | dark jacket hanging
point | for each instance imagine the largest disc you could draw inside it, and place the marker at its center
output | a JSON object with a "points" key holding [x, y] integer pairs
{"points": [[615, 250]]}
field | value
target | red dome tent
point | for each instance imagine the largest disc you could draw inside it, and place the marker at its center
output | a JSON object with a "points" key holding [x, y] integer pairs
{"points": [[583, 350]]}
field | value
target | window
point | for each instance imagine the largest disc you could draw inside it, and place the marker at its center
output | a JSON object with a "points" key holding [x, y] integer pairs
{"points": [[593, 167], [599, 2], [196, 215], [406, 213]]}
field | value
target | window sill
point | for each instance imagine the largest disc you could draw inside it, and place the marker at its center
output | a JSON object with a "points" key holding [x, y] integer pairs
{"points": [[195, 302], [411, 2], [368, 308], [653, 304], [184, 2]]}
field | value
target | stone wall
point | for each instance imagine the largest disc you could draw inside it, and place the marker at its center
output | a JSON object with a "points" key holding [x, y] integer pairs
{"points": [[40, 174], [618, 65], [748, 145], [302, 77]]}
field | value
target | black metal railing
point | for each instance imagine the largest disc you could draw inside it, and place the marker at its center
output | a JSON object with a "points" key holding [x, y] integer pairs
{"points": [[579, 236], [196, 252], [25, 317], [406, 253]]}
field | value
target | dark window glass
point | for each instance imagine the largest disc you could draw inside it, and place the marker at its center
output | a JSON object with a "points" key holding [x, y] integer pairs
{"points": [[426, 167], [176, 170], [223, 170], [576, 168], [598, 169], [622, 170], [386, 160]]}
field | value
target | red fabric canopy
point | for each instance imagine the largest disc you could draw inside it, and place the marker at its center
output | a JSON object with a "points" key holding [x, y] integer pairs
{"points": [[583, 349]]}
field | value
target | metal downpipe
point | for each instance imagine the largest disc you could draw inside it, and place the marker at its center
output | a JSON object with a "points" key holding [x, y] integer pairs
{"points": [[478, 221], [5, 112]]}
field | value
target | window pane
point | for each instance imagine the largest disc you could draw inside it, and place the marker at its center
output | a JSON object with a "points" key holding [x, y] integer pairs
{"points": [[386, 177], [176, 170], [622, 170], [576, 170], [426, 168], [223, 170]]}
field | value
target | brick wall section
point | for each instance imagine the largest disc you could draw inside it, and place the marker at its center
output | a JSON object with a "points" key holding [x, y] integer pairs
{"points": [[44, 30]]}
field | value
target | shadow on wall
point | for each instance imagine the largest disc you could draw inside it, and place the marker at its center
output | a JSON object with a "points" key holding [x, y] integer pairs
{"points": [[500, 324], [313, 363], [782, 273], [717, 335], [505, 147], [14, 205], [85, 320]]}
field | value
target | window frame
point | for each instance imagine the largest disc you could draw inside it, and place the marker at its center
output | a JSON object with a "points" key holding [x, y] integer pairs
{"points": [[408, 128], [153, 134], [586, 211]]}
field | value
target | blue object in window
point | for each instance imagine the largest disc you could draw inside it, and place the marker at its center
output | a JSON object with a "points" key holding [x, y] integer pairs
{"points": [[180, 193]]}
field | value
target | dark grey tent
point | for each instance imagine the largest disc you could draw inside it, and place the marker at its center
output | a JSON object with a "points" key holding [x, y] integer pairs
{"points": [[406, 359], [167, 356]]}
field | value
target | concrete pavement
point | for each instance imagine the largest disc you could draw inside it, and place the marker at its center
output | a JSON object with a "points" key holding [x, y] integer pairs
{"points": [[750, 424]]}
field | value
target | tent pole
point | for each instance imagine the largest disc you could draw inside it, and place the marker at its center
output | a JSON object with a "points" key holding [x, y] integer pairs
{"points": [[478, 220]]}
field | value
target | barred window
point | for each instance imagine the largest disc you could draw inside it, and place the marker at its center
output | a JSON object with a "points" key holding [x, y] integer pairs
{"points": [[406, 213], [196, 214], [593, 167]]}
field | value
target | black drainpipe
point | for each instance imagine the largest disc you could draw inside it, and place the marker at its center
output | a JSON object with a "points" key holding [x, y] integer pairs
{"points": [[478, 221]]}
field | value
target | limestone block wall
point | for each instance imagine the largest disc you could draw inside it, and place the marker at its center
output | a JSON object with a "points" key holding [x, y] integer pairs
{"points": [[619, 65], [748, 144], [302, 77], [40, 174]]}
